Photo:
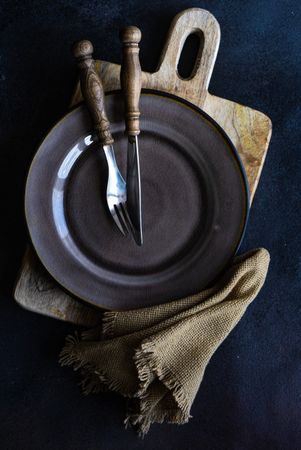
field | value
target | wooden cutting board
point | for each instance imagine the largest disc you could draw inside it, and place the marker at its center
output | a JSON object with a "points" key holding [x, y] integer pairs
{"points": [[249, 130]]}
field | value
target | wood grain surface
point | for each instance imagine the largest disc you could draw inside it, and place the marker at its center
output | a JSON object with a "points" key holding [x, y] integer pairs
{"points": [[249, 130], [92, 90], [130, 78]]}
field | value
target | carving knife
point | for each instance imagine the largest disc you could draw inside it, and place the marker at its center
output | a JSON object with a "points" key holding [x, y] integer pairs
{"points": [[130, 80]]}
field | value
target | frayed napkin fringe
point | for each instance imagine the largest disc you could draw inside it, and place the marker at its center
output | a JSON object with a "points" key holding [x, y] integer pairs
{"points": [[142, 422], [147, 364], [89, 384], [108, 322]]}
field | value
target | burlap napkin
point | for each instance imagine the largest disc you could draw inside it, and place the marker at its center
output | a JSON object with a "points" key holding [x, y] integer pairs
{"points": [[157, 356]]}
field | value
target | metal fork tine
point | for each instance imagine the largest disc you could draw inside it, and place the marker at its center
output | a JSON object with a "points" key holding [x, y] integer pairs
{"points": [[127, 218], [122, 217], [119, 220], [137, 236]]}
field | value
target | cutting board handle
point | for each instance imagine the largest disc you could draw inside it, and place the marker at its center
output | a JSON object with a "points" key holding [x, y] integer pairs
{"points": [[190, 21]]}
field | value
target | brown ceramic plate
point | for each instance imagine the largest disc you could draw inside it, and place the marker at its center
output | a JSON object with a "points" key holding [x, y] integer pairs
{"points": [[194, 196]]}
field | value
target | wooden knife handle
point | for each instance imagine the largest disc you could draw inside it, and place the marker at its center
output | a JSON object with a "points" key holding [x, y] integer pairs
{"points": [[130, 78], [92, 90]]}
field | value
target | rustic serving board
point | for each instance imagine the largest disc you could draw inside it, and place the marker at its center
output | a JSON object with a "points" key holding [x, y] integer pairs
{"points": [[249, 130]]}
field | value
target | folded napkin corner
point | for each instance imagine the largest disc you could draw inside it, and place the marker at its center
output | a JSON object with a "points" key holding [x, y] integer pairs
{"points": [[156, 357]]}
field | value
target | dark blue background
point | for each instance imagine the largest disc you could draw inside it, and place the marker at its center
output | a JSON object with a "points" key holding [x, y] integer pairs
{"points": [[251, 394]]}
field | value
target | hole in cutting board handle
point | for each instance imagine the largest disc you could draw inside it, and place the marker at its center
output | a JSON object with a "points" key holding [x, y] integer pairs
{"points": [[191, 55]]}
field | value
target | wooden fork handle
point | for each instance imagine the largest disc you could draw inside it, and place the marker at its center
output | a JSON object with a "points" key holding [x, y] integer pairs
{"points": [[130, 78], [92, 90]]}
